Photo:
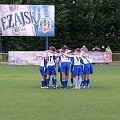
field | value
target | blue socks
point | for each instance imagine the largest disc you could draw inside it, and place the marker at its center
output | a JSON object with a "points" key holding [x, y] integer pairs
{"points": [[54, 82], [88, 82], [43, 83], [47, 82], [64, 84], [85, 83]]}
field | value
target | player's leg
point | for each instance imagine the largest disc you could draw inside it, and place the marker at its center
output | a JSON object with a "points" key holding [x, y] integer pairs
{"points": [[42, 72], [63, 74], [83, 77], [63, 80], [79, 81], [88, 77], [48, 81], [48, 76], [80, 77], [71, 76], [75, 83], [54, 81], [67, 69], [71, 80], [86, 73], [75, 73], [53, 72], [60, 74], [88, 81], [43, 82]]}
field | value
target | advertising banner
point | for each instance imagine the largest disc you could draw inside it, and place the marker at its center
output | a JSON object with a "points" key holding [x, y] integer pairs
{"points": [[25, 57], [100, 57], [27, 20], [34, 57]]}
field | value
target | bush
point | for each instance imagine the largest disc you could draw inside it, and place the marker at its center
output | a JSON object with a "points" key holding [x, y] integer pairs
{"points": [[3, 57], [116, 56]]}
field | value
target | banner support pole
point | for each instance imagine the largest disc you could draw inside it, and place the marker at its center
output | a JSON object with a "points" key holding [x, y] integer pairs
{"points": [[46, 42]]}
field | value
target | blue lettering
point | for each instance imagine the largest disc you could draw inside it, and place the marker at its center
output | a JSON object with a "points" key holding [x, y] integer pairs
{"points": [[22, 16], [32, 18], [26, 16], [3, 20], [10, 20], [17, 19]]}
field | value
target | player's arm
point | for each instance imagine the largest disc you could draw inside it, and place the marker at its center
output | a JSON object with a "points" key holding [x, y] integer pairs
{"points": [[47, 54], [88, 57]]}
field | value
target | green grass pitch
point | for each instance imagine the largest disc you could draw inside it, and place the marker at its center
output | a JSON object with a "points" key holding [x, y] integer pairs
{"points": [[21, 97]]}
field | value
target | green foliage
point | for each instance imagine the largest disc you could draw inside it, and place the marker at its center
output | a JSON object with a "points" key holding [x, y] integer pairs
{"points": [[116, 56], [3, 57], [89, 22]]}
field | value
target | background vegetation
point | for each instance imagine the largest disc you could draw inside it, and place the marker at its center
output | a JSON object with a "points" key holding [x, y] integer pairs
{"points": [[77, 23]]}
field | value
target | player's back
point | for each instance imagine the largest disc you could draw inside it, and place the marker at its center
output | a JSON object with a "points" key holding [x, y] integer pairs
{"points": [[64, 58], [84, 60], [76, 60], [51, 59]]}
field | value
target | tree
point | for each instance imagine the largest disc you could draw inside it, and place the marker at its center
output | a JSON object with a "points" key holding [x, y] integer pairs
{"points": [[77, 22]]}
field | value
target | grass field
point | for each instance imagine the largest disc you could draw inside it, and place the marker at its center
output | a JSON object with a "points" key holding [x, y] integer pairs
{"points": [[21, 97]]}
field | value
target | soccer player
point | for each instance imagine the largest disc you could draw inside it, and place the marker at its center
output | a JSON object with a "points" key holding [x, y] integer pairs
{"points": [[91, 71], [88, 69], [65, 67], [51, 66], [69, 52], [71, 66], [59, 65], [77, 69], [42, 69]]}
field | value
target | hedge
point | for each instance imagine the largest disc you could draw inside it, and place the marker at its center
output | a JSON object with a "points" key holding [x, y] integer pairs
{"points": [[116, 56], [3, 57]]}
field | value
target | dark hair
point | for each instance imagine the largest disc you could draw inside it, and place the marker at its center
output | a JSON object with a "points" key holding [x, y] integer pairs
{"points": [[52, 48], [65, 46], [63, 49], [72, 51], [77, 49]]}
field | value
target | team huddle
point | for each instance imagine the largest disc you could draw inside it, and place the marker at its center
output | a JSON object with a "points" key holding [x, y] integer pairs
{"points": [[75, 61]]}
